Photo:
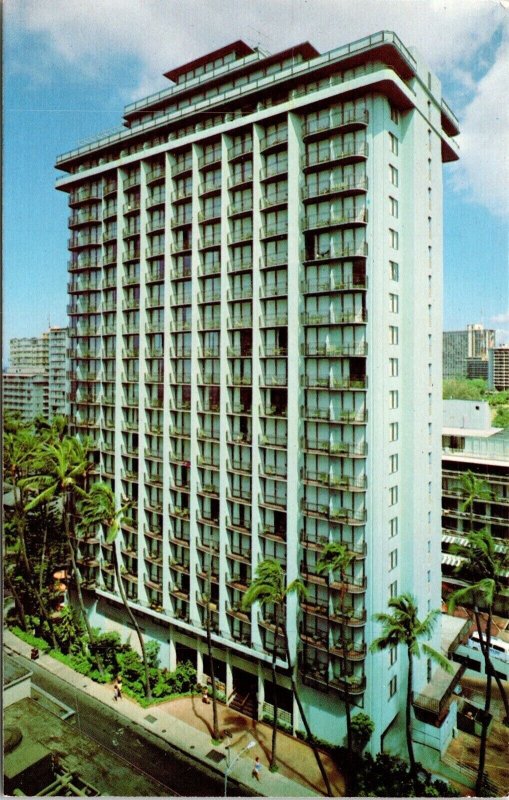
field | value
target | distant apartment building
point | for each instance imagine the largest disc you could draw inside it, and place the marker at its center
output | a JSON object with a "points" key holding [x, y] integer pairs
{"points": [[57, 339], [465, 353], [26, 393], [498, 376], [255, 303], [35, 381], [470, 444], [28, 353]]}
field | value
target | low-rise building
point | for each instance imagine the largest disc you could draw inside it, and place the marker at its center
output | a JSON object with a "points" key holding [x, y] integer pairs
{"points": [[470, 444]]}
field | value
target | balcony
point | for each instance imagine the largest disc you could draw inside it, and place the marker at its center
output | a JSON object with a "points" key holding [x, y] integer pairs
{"points": [[329, 318], [272, 411], [273, 320], [342, 417], [274, 231], [327, 350], [346, 121], [236, 265], [345, 449], [272, 533], [269, 500], [274, 140], [240, 149], [339, 482], [182, 166], [346, 516], [316, 221], [331, 383], [274, 199], [272, 440], [352, 186], [242, 207], [354, 153], [156, 174], [210, 159]]}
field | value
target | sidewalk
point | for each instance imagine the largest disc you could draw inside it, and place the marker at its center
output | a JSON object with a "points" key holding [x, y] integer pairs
{"points": [[185, 724]]}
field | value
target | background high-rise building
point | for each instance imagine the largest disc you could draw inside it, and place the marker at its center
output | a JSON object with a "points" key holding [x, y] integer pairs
{"points": [[498, 375], [35, 382], [255, 302], [465, 353]]}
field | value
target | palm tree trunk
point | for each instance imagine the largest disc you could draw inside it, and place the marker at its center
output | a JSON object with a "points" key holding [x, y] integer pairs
{"points": [[485, 648], [273, 762], [344, 665], [30, 577], [148, 693], [208, 615], [489, 665], [77, 578], [408, 720], [303, 716], [215, 718], [20, 609], [43, 553]]}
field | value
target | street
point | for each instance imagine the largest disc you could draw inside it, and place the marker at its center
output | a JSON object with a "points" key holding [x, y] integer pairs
{"points": [[178, 774]]}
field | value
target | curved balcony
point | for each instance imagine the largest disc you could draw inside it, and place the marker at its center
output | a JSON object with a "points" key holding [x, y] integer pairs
{"points": [[345, 449], [352, 186], [318, 221], [329, 318], [346, 121], [331, 383]]}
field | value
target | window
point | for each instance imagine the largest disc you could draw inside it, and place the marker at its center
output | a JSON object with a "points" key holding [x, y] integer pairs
{"points": [[393, 367], [393, 527], [393, 207], [393, 175], [393, 239], [394, 115], [393, 655], [394, 271], [393, 589], [393, 463], [428, 669], [393, 334], [428, 576], [393, 398], [393, 559], [393, 495], [429, 545], [393, 303], [394, 143], [393, 686], [393, 431]]}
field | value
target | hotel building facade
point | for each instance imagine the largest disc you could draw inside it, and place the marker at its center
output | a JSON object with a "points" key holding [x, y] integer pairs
{"points": [[255, 284]]}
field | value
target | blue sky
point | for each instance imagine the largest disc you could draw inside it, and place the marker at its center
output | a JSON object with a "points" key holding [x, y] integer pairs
{"points": [[69, 68]]}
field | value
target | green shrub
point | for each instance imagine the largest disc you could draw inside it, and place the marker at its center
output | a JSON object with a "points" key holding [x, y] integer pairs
{"points": [[29, 638]]}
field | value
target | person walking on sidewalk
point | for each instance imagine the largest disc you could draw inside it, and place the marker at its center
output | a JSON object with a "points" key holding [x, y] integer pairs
{"points": [[116, 692], [119, 687], [257, 768]]}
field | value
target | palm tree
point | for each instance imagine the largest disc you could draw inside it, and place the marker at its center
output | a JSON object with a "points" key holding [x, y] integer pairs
{"points": [[336, 557], [98, 508], [21, 451], [481, 568], [64, 470], [208, 624], [269, 587], [472, 489], [404, 627]]}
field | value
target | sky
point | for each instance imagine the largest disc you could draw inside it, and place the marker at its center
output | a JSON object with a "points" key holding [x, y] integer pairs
{"points": [[70, 66]]}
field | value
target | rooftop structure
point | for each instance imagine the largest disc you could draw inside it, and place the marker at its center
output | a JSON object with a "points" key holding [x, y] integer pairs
{"points": [[255, 305]]}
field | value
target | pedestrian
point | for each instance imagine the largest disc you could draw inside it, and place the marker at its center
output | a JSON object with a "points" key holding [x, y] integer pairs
{"points": [[116, 691], [257, 768], [205, 695], [119, 687]]}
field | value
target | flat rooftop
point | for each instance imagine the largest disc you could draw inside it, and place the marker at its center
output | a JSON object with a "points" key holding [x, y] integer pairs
{"points": [[14, 672]]}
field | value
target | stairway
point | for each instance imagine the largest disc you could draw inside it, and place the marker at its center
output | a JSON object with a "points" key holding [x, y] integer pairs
{"points": [[244, 704]]}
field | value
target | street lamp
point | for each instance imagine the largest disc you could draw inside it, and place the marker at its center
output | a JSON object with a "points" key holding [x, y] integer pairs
{"points": [[231, 764]]}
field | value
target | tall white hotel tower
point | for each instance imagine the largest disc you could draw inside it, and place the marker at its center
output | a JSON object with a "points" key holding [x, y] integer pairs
{"points": [[256, 330]]}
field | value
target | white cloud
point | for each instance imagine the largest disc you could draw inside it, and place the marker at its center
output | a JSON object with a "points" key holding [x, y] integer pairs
{"points": [[452, 35], [500, 318]]}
